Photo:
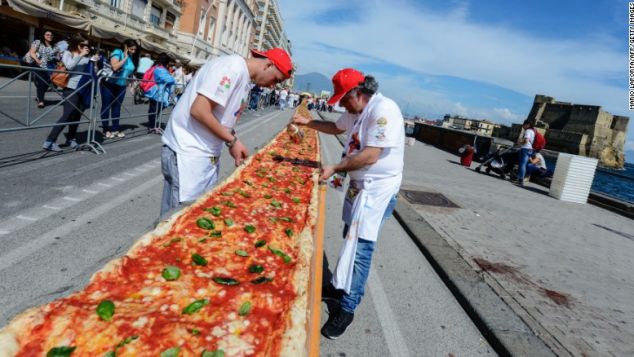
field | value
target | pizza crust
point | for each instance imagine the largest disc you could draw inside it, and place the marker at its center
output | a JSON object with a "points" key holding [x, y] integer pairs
{"points": [[294, 340]]}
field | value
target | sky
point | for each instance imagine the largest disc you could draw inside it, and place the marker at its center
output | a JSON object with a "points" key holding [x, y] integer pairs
{"points": [[481, 59]]}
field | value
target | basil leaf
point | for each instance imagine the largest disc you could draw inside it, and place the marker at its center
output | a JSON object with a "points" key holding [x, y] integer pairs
{"points": [[249, 228], [289, 232], [62, 351], [215, 234], [171, 273], [286, 219], [171, 352], [225, 281], [228, 222], [199, 259], [174, 240], [296, 200], [272, 179], [110, 354], [248, 182], [215, 210], [261, 279], [265, 185], [230, 204], [205, 223], [126, 341], [276, 203], [287, 190], [241, 253], [105, 310], [245, 309], [272, 219], [256, 268], [279, 253], [195, 331], [216, 353], [244, 194], [260, 243], [202, 240], [267, 196], [228, 193], [195, 306]]}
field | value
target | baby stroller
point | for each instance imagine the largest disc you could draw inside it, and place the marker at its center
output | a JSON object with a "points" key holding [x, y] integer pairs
{"points": [[503, 162]]}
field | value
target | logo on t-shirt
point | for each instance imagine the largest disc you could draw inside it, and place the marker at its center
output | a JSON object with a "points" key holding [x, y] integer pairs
{"points": [[355, 143], [225, 82]]}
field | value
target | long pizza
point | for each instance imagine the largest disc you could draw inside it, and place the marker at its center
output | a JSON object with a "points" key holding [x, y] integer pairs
{"points": [[227, 276]]}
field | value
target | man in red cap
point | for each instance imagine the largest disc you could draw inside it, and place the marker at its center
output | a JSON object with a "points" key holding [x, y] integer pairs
{"points": [[373, 158], [204, 118]]}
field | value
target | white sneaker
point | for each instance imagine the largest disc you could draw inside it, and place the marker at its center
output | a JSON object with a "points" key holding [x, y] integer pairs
{"points": [[120, 134], [108, 134], [51, 146], [73, 144]]}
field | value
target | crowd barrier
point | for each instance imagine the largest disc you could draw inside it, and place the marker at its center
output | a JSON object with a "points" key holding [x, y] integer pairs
{"points": [[18, 106]]}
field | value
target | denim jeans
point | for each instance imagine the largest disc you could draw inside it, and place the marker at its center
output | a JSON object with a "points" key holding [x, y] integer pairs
{"points": [[73, 109], [154, 111], [362, 263], [169, 167], [524, 155], [111, 99]]}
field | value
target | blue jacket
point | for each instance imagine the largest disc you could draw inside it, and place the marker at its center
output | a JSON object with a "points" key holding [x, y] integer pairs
{"points": [[163, 88]]}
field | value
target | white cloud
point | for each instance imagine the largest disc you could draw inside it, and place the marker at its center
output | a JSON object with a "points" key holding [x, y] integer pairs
{"points": [[449, 45]]}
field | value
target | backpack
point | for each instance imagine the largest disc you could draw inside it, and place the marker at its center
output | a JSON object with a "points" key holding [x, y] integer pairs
{"points": [[539, 142], [148, 80]]}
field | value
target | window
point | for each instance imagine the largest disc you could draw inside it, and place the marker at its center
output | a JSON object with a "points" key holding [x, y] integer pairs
{"points": [[115, 3], [138, 8], [155, 15], [170, 19]]}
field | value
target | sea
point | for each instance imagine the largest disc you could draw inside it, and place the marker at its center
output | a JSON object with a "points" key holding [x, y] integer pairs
{"points": [[615, 183]]}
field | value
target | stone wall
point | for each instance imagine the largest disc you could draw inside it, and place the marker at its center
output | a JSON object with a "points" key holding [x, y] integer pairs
{"points": [[449, 139]]}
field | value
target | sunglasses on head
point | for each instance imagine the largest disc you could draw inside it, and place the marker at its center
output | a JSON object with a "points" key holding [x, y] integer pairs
{"points": [[84, 45]]}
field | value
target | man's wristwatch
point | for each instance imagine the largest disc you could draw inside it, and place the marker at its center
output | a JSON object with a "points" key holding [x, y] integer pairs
{"points": [[232, 142]]}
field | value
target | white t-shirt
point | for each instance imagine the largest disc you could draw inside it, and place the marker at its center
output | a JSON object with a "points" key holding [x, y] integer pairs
{"points": [[283, 94], [542, 163], [225, 80], [529, 135], [379, 125]]}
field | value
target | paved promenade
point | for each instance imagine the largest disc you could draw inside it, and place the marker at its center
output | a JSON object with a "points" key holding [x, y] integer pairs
{"points": [[565, 269]]}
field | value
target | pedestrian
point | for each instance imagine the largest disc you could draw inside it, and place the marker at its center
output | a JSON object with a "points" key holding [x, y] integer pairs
{"points": [[204, 118], [526, 149], [113, 88], [42, 55], [373, 158], [536, 165], [75, 59], [159, 93], [283, 97]]}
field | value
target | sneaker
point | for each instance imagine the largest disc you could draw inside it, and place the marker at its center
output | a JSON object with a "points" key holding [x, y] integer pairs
{"points": [[51, 146], [329, 292], [120, 134], [73, 144], [107, 134], [337, 324]]}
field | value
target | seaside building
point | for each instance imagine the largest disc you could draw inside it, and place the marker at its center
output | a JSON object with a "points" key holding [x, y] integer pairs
{"points": [[481, 127], [579, 129]]}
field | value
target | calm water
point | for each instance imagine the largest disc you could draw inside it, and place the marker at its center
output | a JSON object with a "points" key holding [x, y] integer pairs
{"points": [[617, 183]]}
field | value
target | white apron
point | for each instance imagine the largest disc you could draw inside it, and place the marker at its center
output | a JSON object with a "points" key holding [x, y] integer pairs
{"points": [[363, 210], [196, 175]]}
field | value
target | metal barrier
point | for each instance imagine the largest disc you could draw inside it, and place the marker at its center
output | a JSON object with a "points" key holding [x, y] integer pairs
{"points": [[90, 115]]}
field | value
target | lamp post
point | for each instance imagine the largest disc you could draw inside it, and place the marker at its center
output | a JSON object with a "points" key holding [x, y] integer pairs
{"points": [[200, 23]]}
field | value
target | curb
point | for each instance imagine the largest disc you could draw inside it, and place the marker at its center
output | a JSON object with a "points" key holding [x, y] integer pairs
{"points": [[505, 331]]}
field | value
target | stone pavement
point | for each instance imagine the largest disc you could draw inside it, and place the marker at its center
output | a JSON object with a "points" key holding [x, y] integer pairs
{"points": [[564, 269]]}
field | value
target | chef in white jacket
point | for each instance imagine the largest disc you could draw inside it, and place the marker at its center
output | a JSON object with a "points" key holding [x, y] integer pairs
{"points": [[373, 158]]}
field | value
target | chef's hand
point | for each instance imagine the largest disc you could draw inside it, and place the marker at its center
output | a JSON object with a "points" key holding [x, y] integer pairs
{"points": [[299, 120], [239, 152], [326, 172]]}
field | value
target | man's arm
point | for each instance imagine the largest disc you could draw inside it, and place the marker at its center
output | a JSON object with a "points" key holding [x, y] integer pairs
{"points": [[368, 156], [201, 110], [327, 127]]}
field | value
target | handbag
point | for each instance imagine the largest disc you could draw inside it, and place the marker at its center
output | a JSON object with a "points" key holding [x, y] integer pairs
{"points": [[60, 79], [27, 57]]}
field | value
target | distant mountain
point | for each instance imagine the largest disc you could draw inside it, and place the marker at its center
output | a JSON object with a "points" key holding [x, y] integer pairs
{"points": [[313, 82]]}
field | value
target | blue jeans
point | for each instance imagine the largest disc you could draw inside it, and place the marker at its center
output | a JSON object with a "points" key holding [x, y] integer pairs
{"points": [[362, 263], [169, 168], [111, 99], [524, 155]]}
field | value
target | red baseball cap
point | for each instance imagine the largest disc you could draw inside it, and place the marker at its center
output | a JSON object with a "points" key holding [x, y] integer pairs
{"points": [[343, 81], [280, 59]]}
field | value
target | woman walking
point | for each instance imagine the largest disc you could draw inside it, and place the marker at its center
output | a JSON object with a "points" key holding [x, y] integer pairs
{"points": [[113, 89], [76, 60], [42, 54], [159, 93]]}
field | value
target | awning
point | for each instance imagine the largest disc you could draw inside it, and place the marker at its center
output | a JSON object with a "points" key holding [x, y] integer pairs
{"points": [[103, 30], [45, 11], [153, 46]]}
